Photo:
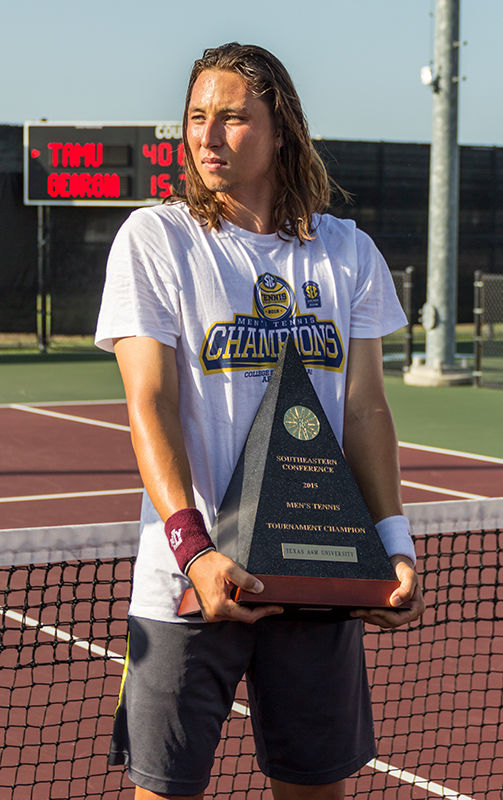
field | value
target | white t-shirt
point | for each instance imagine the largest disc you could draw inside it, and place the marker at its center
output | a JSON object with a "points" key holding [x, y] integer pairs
{"points": [[226, 300]]}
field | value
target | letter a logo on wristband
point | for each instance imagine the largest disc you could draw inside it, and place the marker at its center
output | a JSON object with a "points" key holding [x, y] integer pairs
{"points": [[187, 537], [175, 539]]}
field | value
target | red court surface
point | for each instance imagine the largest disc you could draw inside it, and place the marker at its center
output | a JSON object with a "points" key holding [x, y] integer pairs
{"points": [[45, 457], [52, 455]]}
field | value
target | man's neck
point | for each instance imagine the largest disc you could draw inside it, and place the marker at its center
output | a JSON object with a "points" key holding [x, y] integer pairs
{"points": [[254, 216]]}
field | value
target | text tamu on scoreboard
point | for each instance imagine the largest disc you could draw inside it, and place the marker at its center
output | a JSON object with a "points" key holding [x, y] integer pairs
{"points": [[101, 163]]}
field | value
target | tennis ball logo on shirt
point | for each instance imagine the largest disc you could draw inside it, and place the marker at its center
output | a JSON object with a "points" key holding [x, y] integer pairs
{"points": [[273, 297]]}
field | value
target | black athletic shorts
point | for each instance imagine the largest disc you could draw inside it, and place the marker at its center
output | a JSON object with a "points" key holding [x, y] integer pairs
{"points": [[307, 689]]}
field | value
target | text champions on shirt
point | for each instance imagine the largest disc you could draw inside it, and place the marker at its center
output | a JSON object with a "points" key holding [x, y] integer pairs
{"points": [[255, 340]]}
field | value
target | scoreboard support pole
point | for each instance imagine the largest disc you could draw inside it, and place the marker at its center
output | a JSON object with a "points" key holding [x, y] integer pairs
{"points": [[43, 308]]}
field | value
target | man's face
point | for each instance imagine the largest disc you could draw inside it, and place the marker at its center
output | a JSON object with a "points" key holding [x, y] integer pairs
{"points": [[231, 136]]}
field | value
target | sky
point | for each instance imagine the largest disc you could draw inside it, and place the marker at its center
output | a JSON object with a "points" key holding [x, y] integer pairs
{"points": [[355, 63]]}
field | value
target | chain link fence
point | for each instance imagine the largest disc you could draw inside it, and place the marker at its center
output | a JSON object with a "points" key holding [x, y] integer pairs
{"points": [[488, 339], [397, 347]]}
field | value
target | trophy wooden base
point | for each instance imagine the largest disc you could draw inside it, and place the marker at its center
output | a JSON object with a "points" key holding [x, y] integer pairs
{"points": [[303, 593]]}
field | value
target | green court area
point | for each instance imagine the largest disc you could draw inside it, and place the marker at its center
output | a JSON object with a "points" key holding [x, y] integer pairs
{"points": [[59, 377], [458, 418]]}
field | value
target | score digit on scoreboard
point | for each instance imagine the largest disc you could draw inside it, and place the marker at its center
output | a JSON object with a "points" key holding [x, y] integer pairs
{"points": [[97, 163]]}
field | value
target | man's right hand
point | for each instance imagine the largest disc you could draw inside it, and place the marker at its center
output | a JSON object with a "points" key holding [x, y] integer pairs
{"points": [[214, 576]]}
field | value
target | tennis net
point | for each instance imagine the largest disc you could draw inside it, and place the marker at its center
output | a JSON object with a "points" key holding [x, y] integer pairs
{"points": [[436, 686]]}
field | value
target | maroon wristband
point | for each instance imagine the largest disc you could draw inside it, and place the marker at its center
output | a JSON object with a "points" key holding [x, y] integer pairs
{"points": [[187, 536]]}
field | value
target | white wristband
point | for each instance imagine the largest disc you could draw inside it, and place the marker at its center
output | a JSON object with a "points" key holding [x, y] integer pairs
{"points": [[395, 536]]}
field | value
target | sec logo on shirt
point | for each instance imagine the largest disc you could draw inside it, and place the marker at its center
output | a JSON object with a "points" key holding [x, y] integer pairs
{"points": [[312, 294]]}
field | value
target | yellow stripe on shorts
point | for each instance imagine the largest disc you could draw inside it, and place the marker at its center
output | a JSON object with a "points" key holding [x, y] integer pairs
{"points": [[124, 673]]}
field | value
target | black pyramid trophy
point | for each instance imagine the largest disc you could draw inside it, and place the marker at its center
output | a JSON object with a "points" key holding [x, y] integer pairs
{"points": [[293, 514]]}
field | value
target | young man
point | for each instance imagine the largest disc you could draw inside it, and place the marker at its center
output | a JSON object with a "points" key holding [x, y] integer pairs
{"points": [[198, 290]]}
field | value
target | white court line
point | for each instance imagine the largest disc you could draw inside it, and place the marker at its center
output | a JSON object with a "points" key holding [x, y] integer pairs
{"points": [[443, 451], [396, 772], [438, 490], [105, 492], [66, 495], [240, 708], [415, 780], [70, 417], [57, 633], [36, 408], [42, 403], [116, 426]]}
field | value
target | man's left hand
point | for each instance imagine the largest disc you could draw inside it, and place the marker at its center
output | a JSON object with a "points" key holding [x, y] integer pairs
{"points": [[409, 592]]}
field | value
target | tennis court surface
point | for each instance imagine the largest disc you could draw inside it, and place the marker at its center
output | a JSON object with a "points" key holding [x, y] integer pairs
{"points": [[69, 501]]}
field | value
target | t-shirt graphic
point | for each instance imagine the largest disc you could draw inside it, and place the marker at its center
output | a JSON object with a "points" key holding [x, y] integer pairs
{"points": [[255, 340]]}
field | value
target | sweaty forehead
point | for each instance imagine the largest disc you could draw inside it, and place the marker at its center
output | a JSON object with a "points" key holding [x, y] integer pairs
{"points": [[220, 88]]}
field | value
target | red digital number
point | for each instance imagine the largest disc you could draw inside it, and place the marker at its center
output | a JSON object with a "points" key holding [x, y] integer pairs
{"points": [[161, 154], [164, 154], [150, 151], [160, 185]]}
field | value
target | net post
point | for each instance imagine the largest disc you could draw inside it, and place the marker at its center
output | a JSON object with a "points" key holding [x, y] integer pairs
{"points": [[478, 310], [408, 286]]}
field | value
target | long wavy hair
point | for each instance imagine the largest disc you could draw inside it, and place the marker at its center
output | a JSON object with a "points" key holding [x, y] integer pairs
{"points": [[303, 186]]}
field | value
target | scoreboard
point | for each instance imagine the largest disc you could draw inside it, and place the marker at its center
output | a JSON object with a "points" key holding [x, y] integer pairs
{"points": [[101, 163]]}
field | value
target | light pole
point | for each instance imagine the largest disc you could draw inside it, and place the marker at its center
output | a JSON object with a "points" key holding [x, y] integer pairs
{"points": [[439, 312]]}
